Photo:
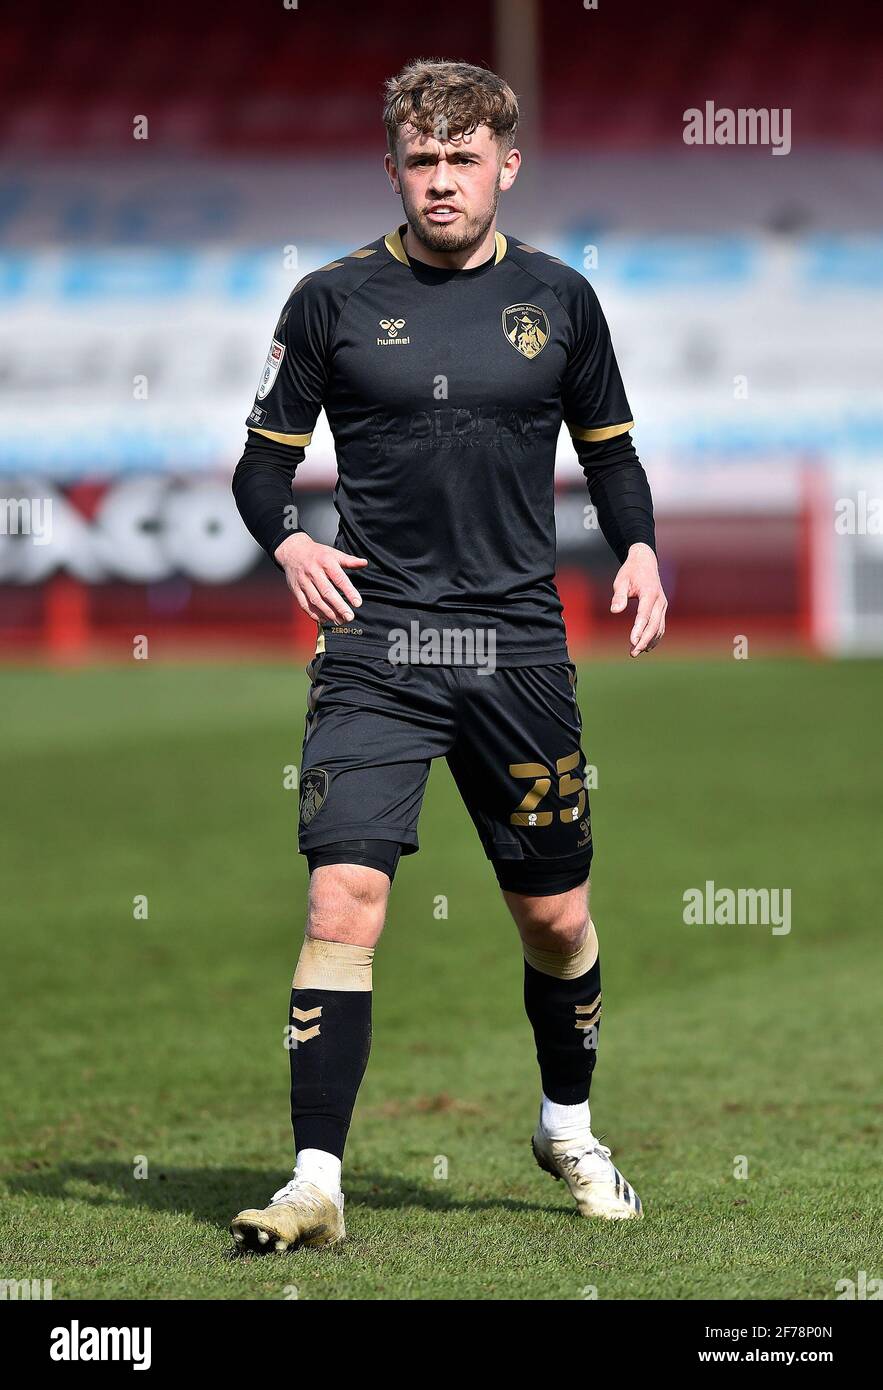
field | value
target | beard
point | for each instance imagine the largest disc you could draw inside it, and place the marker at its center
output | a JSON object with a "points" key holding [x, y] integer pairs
{"points": [[469, 232]]}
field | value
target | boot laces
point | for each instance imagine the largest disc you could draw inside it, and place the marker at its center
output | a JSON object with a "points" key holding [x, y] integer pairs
{"points": [[592, 1148], [295, 1190]]}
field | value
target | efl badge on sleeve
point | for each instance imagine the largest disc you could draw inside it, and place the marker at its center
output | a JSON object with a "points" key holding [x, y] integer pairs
{"points": [[271, 368]]}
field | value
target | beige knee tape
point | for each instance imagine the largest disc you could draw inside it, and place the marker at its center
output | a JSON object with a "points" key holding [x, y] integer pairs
{"points": [[333, 965], [565, 967]]}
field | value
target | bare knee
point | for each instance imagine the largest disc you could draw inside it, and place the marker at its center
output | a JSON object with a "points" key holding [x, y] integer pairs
{"points": [[558, 922], [347, 903]]}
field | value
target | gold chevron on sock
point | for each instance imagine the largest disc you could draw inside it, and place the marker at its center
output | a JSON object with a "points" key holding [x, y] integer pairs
{"points": [[587, 1015], [303, 1035]]}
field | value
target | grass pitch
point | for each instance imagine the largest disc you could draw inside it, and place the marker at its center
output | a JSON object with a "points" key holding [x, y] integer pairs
{"points": [[724, 1049]]}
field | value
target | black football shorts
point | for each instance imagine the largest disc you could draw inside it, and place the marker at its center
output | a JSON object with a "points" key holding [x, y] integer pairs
{"points": [[511, 739]]}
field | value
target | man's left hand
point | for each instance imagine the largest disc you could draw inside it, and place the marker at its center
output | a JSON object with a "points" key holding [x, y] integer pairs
{"points": [[639, 578]]}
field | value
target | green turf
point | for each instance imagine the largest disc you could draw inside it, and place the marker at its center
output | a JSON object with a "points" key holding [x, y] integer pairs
{"points": [[164, 1037]]}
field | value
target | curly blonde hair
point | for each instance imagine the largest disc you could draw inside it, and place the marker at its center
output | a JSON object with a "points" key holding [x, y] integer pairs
{"points": [[449, 100]]}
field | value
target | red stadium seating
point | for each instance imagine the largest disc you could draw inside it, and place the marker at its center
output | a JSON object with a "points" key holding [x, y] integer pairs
{"points": [[231, 78]]}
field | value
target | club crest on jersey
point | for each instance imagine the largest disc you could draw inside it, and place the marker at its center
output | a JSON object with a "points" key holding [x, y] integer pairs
{"points": [[313, 791], [527, 328], [271, 368]]}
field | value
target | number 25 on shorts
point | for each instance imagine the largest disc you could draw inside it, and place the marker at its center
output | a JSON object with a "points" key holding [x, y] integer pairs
{"points": [[526, 812]]}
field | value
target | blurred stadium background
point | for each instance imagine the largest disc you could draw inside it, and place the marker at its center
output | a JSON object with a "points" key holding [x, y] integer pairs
{"points": [[140, 280]]}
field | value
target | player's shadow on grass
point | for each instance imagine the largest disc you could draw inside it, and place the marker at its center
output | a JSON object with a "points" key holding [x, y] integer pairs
{"points": [[216, 1194]]}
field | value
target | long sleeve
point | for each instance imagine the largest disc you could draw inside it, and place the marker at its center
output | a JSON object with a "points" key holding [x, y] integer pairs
{"points": [[619, 491], [262, 486], [599, 418], [280, 425]]}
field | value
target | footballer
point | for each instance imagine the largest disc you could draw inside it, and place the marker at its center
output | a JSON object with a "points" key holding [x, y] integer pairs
{"points": [[446, 355]]}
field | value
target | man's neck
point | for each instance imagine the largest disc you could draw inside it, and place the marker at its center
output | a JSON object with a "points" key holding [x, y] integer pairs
{"points": [[467, 259]]}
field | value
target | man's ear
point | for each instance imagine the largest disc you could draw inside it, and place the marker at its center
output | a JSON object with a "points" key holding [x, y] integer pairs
{"points": [[509, 169], [392, 172]]}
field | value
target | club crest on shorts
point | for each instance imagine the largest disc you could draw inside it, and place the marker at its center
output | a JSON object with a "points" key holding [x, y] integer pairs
{"points": [[527, 328], [313, 791], [271, 368]]}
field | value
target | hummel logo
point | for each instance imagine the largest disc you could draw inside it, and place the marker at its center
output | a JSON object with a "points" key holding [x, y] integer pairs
{"points": [[392, 327], [304, 1016]]}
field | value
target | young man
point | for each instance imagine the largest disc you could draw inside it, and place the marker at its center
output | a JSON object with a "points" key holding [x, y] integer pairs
{"points": [[446, 355]]}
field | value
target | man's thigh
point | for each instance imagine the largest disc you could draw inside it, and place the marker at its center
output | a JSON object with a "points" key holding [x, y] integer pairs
{"points": [[372, 728], [520, 769]]}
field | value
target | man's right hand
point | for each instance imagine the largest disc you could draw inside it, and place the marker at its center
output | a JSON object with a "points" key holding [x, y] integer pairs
{"points": [[315, 575]]}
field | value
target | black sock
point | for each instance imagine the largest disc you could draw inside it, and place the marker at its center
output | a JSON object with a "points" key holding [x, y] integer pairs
{"points": [[565, 1014], [329, 1039]]}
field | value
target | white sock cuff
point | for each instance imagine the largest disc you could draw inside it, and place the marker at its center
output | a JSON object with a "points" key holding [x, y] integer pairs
{"points": [[565, 1121], [320, 1168]]}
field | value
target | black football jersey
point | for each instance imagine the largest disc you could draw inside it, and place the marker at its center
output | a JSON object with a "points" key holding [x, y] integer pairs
{"points": [[445, 391]]}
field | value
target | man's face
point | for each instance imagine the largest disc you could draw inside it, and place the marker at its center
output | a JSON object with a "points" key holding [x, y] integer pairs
{"points": [[450, 187]]}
